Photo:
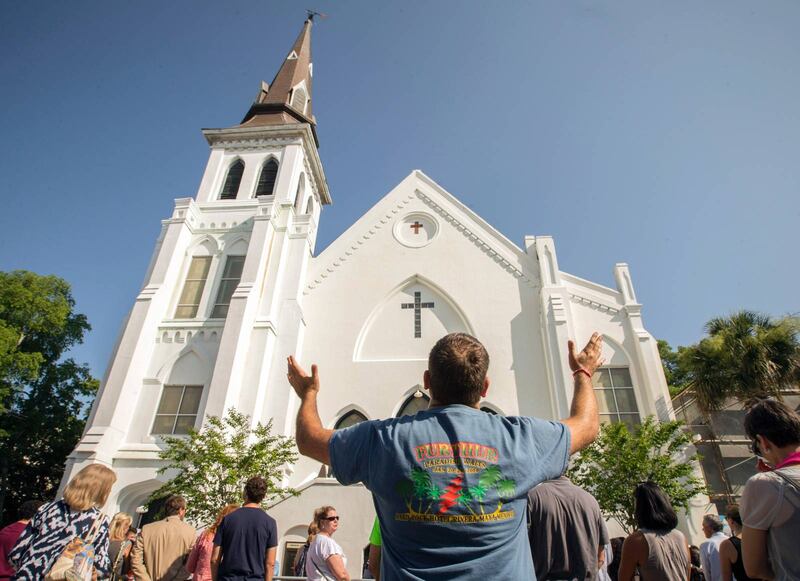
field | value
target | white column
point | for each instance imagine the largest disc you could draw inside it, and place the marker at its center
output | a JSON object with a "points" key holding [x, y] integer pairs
{"points": [[119, 392], [556, 323], [226, 382]]}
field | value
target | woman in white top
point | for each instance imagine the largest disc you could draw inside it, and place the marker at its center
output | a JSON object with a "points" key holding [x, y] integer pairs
{"points": [[325, 560]]}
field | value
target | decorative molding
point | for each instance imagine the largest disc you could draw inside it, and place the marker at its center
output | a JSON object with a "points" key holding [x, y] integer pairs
{"points": [[391, 215], [485, 247], [185, 332], [337, 262], [591, 303], [558, 308]]}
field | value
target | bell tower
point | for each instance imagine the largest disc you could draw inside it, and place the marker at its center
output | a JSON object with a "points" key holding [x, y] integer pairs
{"points": [[221, 304]]}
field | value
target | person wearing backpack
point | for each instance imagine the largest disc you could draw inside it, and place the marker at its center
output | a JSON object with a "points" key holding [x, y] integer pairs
{"points": [[68, 536], [770, 504], [299, 565]]}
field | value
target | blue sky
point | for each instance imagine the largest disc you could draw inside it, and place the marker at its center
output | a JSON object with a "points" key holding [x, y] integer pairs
{"points": [[662, 134]]}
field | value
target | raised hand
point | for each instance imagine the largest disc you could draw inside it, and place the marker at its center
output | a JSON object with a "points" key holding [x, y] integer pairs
{"points": [[302, 383], [588, 359]]}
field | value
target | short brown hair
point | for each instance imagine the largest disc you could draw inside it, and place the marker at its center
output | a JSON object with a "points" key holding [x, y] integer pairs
{"points": [[732, 514], [174, 505], [457, 366], [774, 420], [89, 487], [255, 489]]}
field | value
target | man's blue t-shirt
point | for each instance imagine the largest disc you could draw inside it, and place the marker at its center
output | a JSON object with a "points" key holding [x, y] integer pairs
{"points": [[450, 488], [244, 536]]}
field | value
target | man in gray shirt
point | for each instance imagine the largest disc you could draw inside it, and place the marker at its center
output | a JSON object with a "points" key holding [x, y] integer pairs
{"points": [[566, 531]]}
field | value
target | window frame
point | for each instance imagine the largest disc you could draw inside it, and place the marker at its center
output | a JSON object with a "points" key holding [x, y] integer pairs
{"points": [[407, 401], [186, 279], [177, 413], [235, 161], [269, 160], [219, 283], [349, 413], [617, 415]]}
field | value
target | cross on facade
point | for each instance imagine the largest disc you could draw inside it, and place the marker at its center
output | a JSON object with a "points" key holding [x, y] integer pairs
{"points": [[416, 226], [417, 305]]}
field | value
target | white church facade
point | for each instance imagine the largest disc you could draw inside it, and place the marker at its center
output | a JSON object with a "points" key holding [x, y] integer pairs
{"points": [[235, 285]]}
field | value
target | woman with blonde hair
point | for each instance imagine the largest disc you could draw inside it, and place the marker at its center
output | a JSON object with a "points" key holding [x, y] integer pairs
{"points": [[325, 560], [119, 546], [199, 562], [58, 523]]}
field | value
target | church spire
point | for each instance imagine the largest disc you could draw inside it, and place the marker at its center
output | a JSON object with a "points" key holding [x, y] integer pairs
{"points": [[288, 99]]}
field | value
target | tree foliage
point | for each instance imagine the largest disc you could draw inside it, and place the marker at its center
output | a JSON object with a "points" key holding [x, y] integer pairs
{"points": [[213, 464], [676, 375], [746, 356], [44, 398], [618, 460]]}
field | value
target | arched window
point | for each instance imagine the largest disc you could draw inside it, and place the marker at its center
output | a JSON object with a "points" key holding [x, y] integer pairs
{"points": [[266, 181], [415, 403], [298, 196], [351, 418], [299, 99], [310, 205], [232, 181]]}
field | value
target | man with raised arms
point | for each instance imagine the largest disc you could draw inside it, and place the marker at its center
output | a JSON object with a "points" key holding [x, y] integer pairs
{"points": [[456, 511]]}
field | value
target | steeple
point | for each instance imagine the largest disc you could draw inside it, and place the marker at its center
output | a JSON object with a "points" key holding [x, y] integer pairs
{"points": [[288, 99]]}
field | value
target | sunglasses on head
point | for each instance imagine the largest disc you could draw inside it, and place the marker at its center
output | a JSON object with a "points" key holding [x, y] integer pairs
{"points": [[330, 518]]}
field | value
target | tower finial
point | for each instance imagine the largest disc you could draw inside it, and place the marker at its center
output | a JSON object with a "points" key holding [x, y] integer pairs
{"points": [[313, 13]]}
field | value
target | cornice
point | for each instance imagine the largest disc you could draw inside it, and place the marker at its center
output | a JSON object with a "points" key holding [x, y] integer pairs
{"points": [[390, 216], [593, 303]]}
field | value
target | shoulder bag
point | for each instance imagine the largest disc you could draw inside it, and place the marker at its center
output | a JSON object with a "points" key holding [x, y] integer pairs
{"points": [[76, 561]]}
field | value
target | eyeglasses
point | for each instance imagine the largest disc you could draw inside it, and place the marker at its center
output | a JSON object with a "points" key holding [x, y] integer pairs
{"points": [[330, 518]]}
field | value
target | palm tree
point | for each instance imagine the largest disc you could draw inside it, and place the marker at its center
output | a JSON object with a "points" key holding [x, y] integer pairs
{"points": [[433, 493], [747, 356], [422, 482], [405, 488], [478, 492]]}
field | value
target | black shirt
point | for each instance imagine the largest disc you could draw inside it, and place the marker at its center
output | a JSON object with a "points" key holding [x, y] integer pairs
{"points": [[244, 537]]}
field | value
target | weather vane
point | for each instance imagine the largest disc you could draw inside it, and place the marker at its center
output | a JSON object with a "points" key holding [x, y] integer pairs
{"points": [[313, 13]]}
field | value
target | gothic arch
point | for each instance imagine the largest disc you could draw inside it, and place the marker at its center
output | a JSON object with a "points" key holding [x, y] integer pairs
{"points": [[267, 176], [409, 398], [207, 242], [347, 410], [165, 371], [359, 353], [135, 495], [238, 244], [232, 180]]}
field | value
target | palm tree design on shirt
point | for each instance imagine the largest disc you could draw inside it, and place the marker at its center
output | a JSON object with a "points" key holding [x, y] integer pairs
{"points": [[420, 487]]}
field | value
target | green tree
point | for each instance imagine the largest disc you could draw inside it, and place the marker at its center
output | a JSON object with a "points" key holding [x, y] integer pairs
{"points": [[746, 356], [677, 376], [44, 397], [213, 464], [612, 466]]}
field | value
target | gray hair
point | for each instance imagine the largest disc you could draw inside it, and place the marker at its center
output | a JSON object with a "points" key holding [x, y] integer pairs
{"points": [[713, 522]]}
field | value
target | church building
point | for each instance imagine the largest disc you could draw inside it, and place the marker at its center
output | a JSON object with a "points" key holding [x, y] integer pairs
{"points": [[235, 285]]}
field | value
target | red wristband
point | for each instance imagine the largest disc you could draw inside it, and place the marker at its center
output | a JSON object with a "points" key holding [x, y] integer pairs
{"points": [[581, 370]]}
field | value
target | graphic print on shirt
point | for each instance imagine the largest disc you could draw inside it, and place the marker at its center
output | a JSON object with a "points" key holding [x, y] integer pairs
{"points": [[437, 490]]}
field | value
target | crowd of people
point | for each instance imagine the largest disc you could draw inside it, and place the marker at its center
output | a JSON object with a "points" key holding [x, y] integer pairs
{"points": [[507, 478]]}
